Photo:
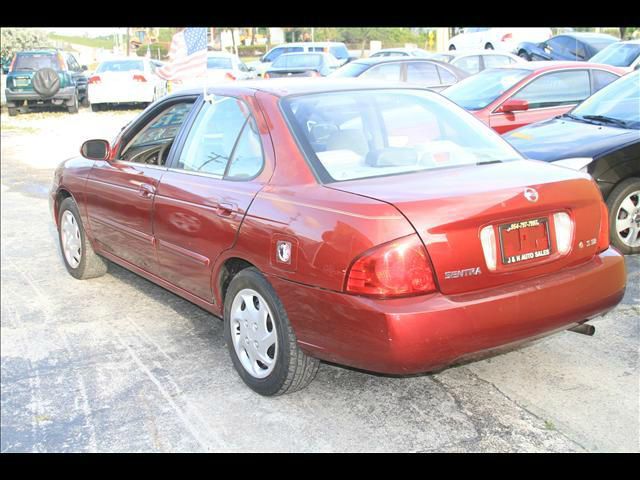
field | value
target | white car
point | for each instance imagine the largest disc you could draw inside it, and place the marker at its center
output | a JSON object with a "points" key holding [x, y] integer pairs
{"points": [[620, 54], [474, 61], [505, 39], [337, 49], [227, 67], [125, 80]]}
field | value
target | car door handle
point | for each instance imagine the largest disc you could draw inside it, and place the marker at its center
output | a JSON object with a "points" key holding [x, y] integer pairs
{"points": [[226, 209], [146, 191]]}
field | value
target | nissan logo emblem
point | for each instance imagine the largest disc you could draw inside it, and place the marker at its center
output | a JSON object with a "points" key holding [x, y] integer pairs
{"points": [[531, 194]]}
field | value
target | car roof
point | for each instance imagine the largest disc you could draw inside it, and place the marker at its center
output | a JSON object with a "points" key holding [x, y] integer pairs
{"points": [[121, 58], [377, 60], [542, 66], [586, 35], [310, 44], [282, 87], [474, 51], [399, 49]]}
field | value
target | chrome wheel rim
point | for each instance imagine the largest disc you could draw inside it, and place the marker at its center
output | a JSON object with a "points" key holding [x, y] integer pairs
{"points": [[71, 241], [628, 220], [253, 332]]}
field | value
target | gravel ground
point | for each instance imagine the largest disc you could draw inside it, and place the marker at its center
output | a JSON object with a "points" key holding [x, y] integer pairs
{"points": [[120, 364]]}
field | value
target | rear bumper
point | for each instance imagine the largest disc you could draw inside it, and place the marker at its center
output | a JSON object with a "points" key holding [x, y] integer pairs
{"points": [[142, 93], [17, 95], [421, 334]]}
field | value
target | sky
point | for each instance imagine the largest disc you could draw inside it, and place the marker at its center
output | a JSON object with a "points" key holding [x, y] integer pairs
{"points": [[89, 31]]}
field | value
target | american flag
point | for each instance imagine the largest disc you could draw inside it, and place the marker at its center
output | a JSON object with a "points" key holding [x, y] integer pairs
{"points": [[187, 55]]}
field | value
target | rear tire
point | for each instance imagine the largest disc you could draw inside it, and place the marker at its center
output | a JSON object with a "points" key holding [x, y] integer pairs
{"points": [[13, 111], [625, 196], [290, 369], [85, 102], [83, 262]]}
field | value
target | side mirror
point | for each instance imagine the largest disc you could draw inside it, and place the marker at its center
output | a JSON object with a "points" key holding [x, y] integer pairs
{"points": [[251, 69], [84, 68], [514, 105], [95, 149], [637, 67]]}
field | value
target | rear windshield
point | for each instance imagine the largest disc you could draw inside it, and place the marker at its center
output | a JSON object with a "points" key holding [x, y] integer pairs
{"points": [[298, 60], [372, 133], [600, 43], [478, 91], [618, 54], [120, 66], [36, 61], [352, 69], [219, 63]]}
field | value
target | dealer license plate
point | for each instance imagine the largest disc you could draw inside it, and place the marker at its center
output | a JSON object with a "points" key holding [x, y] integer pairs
{"points": [[525, 241]]}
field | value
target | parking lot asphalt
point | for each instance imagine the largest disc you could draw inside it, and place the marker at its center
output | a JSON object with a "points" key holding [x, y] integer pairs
{"points": [[119, 364]]}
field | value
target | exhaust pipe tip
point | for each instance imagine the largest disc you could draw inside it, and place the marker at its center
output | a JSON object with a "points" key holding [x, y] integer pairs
{"points": [[584, 329]]}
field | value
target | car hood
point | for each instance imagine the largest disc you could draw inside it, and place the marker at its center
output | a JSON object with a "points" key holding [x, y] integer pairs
{"points": [[560, 138]]}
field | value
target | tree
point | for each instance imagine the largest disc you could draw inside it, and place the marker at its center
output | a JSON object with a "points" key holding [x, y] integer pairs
{"points": [[14, 40]]}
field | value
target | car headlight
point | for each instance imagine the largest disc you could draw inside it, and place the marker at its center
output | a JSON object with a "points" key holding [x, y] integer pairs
{"points": [[580, 163]]}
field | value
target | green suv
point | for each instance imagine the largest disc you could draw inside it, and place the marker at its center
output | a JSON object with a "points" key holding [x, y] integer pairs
{"points": [[46, 77]]}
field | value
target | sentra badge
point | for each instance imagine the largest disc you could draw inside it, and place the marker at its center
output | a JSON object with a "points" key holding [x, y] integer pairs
{"points": [[467, 272]]}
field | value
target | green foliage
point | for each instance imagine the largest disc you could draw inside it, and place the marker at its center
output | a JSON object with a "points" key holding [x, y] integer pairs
{"points": [[359, 35], [166, 34], [163, 47], [251, 50], [14, 40], [107, 42]]}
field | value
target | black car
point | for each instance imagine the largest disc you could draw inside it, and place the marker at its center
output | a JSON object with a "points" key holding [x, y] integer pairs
{"points": [[316, 64], [600, 136], [427, 73], [568, 46]]}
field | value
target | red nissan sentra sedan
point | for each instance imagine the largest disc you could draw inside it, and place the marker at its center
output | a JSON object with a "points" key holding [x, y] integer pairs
{"points": [[380, 227], [516, 95]]}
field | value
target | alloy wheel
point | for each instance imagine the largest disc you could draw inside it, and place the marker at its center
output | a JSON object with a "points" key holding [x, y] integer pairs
{"points": [[253, 332]]}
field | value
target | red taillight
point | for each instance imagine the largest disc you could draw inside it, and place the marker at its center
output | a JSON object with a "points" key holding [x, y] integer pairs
{"points": [[603, 236], [61, 62], [314, 73], [395, 269], [266, 75], [229, 76], [506, 37], [94, 79], [139, 78], [12, 63]]}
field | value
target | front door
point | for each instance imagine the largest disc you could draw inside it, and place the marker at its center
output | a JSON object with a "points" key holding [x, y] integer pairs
{"points": [[203, 197], [548, 95], [120, 192]]}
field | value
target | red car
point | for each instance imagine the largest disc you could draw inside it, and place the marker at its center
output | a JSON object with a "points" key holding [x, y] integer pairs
{"points": [[375, 226], [516, 95]]}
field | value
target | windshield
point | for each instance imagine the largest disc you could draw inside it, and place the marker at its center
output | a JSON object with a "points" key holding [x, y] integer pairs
{"points": [[618, 54], [296, 60], [371, 133], [352, 69], [120, 66], [36, 61], [600, 43], [219, 63], [618, 101], [478, 91]]}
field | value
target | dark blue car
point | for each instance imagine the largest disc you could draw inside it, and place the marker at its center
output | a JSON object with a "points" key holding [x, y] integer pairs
{"points": [[568, 46]]}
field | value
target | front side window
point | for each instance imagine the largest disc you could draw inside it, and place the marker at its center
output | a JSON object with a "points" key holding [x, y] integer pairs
{"points": [[602, 79], [423, 73], [273, 54], [386, 72], [152, 143], [478, 91], [555, 89], [371, 133], [215, 139]]}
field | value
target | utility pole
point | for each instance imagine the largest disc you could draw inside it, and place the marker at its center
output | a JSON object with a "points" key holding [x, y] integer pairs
{"points": [[313, 38]]}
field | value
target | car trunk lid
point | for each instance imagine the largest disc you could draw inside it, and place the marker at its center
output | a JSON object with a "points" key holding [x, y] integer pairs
{"points": [[449, 207]]}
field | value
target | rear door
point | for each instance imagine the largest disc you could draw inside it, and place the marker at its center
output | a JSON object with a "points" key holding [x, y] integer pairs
{"points": [[217, 169], [120, 192], [548, 95]]}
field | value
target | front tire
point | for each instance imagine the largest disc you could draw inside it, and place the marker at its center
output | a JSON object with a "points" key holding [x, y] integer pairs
{"points": [[624, 216], [78, 255], [261, 342]]}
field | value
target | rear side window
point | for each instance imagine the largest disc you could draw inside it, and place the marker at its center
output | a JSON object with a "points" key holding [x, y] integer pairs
{"points": [[470, 64], [602, 79], [121, 66], [491, 61], [557, 88], [223, 131], [387, 72], [36, 61], [422, 73]]}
